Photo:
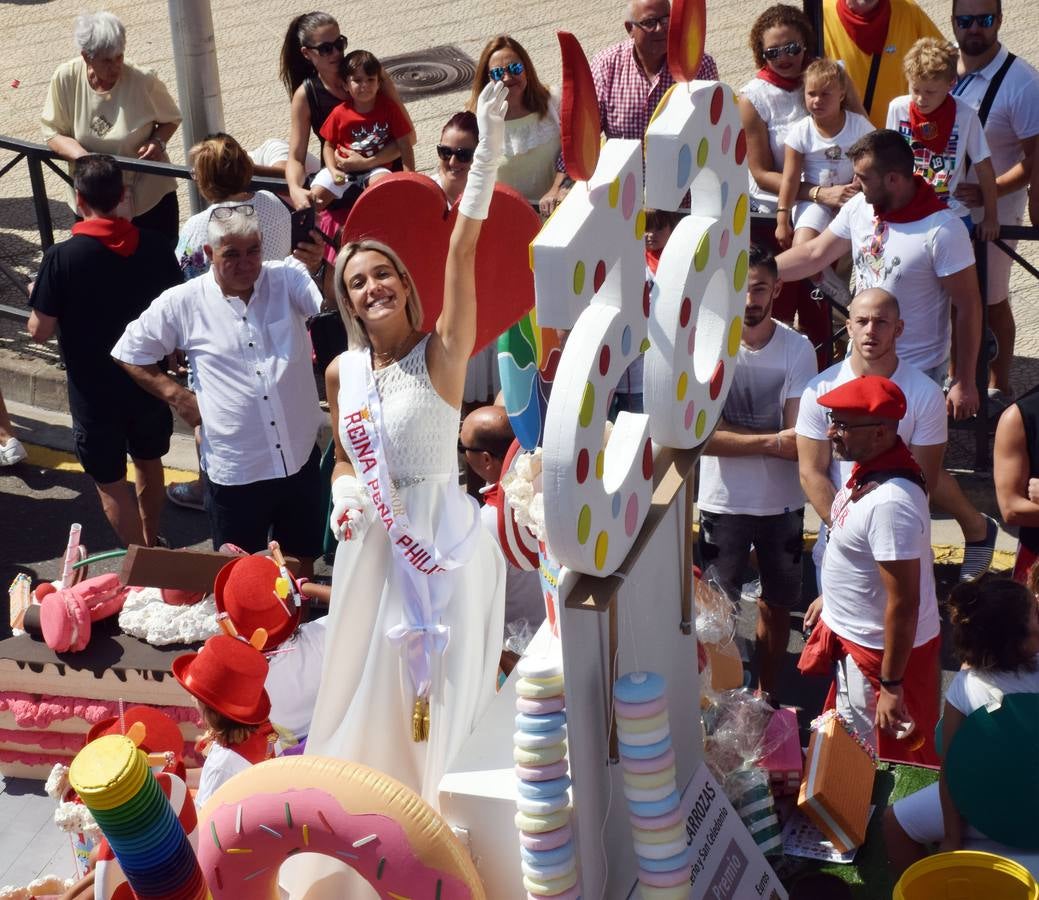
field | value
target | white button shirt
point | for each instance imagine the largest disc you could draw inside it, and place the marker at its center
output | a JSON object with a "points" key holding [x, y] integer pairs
{"points": [[252, 368]]}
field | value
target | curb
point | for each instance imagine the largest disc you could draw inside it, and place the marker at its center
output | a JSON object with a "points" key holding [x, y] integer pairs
{"points": [[33, 381]]}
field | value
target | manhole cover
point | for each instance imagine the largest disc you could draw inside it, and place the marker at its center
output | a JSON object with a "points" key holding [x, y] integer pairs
{"points": [[433, 71]]}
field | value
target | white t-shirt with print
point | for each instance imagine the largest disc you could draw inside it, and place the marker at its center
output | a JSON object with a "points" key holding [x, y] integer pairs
{"points": [[908, 259], [972, 689], [925, 423], [889, 523], [294, 677], [943, 171], [1013, 117], [825, 158], [763, 381]]}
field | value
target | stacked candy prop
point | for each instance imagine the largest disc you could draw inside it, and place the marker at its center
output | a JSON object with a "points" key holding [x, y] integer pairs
{"points": [[543, 801], [112, 778], [644, 733]]}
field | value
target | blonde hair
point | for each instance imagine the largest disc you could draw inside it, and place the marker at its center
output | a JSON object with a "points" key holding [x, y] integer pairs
{"points": [[223, 730], [828, 72], [221, 167], [355, 330], [931, 58]]}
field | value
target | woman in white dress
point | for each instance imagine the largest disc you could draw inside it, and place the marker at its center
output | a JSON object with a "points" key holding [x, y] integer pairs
{"points": [[415, 623]]}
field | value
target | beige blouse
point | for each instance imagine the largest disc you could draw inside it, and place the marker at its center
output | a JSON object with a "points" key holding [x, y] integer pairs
{"points": [[115, 122]]}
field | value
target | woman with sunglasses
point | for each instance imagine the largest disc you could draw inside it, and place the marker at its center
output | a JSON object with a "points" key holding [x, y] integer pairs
{"points": [[532, 139], [418, 588], [311, 57]]}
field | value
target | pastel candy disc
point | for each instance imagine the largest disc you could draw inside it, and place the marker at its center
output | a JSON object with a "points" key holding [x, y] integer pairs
{"points": [[536, 824], [656, 822], [546, 840], [545, 772], [681, 860], [538, 690], [548, 857], [645, 751], [639, 687], [650, 779], [659, 851], [538, 790], [573, 894], [539, 756], [652, 764], [549, 873], [539, 707], [663, 836], [639, 710], [539, 667], [544, 806], [655, 807], [549, 722], [640, 726], [550, 886], [678, 892], [643, 738], [532, 740], [649, 795], [664, 879]]}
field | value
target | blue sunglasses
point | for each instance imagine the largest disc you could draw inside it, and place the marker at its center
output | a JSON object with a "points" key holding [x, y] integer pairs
{"points": [[497, 73], [984, 21]]}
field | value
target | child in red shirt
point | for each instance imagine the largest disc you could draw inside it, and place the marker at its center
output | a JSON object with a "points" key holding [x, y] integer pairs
{"points": [[363, 134]]}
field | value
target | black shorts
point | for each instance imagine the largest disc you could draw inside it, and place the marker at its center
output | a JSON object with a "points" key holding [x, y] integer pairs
{"points": [[101, 447], [287, 510], [725, 542]]}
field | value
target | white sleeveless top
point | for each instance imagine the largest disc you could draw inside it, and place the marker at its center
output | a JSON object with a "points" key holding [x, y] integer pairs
{"points": [[779, 110], [420, 428]]}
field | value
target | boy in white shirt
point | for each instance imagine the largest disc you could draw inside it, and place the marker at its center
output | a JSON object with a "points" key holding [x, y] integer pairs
{"points": [[944, 131]]}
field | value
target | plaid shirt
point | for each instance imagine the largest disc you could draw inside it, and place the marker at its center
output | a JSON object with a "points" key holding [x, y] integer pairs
{"points": [[626, 96]]}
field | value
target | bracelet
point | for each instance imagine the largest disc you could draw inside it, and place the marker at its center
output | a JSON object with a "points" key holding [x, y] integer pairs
{"points": [[890, 682], [813, 194], [780, 209]]}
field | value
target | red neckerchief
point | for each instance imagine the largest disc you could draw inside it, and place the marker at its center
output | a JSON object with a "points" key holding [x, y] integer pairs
{"points": [[925, 203], [869, 33], [118, 235], [780, 81], [652, 260], [492, 496], [896, 458], [933, 131]]}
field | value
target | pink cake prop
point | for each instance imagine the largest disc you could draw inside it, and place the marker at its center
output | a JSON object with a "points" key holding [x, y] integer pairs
{"points": [[784, 762]]}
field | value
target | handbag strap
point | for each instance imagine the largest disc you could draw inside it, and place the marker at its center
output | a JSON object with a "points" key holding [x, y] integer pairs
{"points": [[871, 81]]}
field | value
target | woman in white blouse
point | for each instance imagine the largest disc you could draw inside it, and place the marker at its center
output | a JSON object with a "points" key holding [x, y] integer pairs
{"points": [[99, 103], [532, 138]]}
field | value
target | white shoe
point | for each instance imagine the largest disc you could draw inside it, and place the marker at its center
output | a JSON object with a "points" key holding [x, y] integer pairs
{"points": [[12, 452]]}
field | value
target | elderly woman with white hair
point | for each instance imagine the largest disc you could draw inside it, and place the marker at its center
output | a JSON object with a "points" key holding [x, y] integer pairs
{"points": [[99, 103]]}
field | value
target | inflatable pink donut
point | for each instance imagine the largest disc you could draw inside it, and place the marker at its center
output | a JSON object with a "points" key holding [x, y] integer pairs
{"points": [[312, 804]]}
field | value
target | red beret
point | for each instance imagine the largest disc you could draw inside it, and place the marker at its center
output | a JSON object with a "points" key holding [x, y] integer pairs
{"points": [[867, 395]]}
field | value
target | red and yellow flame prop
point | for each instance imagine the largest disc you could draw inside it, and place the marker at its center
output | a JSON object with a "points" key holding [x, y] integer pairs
{"points": [[685, 38], [579, 110]]}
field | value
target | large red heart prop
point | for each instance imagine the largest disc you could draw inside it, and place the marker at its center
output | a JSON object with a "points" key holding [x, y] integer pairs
{"points": [[409, 213]]}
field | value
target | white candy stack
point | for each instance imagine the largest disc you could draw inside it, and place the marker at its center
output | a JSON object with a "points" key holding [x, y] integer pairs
{"points": [[644, 736], [542, 783]]}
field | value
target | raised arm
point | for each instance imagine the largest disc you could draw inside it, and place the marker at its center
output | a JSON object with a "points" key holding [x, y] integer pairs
{"points": [[455, 332], [806, 259]]}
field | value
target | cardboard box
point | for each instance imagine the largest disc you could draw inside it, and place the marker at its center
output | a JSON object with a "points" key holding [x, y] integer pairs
{"points": [[783, 762], [726, 666], [838, 783]]}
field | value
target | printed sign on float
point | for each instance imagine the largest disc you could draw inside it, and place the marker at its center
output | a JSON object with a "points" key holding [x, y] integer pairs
{"points": [[726, 862]]}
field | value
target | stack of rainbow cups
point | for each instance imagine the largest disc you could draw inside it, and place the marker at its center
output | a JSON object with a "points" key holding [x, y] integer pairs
{"points": [[648, 762], [542, 783], [114, 782]]}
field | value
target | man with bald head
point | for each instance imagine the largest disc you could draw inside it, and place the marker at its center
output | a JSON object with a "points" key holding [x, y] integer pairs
{"points": [[484, 440], [874, 324]]}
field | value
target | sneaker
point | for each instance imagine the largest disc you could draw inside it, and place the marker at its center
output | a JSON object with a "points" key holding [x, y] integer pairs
{"points": [[977, 555], [187, 495], [12, 452]]}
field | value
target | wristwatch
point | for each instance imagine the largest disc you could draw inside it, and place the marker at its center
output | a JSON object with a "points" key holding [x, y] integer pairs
{"points": [[890, 682]]}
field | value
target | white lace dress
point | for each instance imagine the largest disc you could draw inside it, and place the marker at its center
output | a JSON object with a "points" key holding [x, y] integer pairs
{"points": [[364, 705], [531, 148]]}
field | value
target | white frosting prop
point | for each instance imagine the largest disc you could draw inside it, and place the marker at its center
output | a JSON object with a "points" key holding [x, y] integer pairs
{"points": [[695, 143], [591, 250], [420, 634], [144, 615]]}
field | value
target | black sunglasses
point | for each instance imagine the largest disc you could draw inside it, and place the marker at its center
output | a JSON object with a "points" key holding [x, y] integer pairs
{"points": [[464, 154], [652, 23], [987, 20], [791, 49], [326, 48], [842, 427], [463, 449]]}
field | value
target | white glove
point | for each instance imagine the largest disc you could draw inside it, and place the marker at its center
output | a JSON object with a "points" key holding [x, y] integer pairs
{"points": [[352, 510], [490, 117]]}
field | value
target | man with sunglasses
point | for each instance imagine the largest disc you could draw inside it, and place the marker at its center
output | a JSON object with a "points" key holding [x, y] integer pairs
{"points": [[875, 625], [870, 37], [243, 327], [1003, 89], [88, 289], [632, 76]]}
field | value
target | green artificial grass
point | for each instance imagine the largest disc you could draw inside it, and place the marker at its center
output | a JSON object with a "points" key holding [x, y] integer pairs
{"points": [[868, 877]]}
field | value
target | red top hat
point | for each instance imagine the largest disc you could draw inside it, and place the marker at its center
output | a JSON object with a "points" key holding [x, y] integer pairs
{"points": [[227, 674], [161, 733], [246, 589]]}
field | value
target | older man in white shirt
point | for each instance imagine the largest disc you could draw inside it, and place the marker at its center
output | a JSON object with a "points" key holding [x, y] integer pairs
{"points": [[243, 328]]}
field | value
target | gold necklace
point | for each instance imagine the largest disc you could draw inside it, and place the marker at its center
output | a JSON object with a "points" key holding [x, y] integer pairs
{"points": [[381, 360]]}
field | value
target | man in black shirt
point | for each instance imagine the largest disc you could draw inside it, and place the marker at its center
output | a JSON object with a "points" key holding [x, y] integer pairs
{"points": [[92, 286]]}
